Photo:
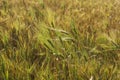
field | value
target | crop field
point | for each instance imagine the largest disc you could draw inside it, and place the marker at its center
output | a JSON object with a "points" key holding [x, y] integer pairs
{"points": [[59, 39]]}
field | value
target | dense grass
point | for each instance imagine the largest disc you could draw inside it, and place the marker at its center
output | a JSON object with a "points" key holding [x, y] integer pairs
{"points": [[59, 40]]}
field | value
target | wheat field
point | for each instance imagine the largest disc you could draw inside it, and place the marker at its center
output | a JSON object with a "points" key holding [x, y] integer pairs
{"points": [[59, 40]]}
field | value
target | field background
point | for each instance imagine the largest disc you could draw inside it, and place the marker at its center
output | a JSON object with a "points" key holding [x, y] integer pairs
{"points": [[59, 39]]}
